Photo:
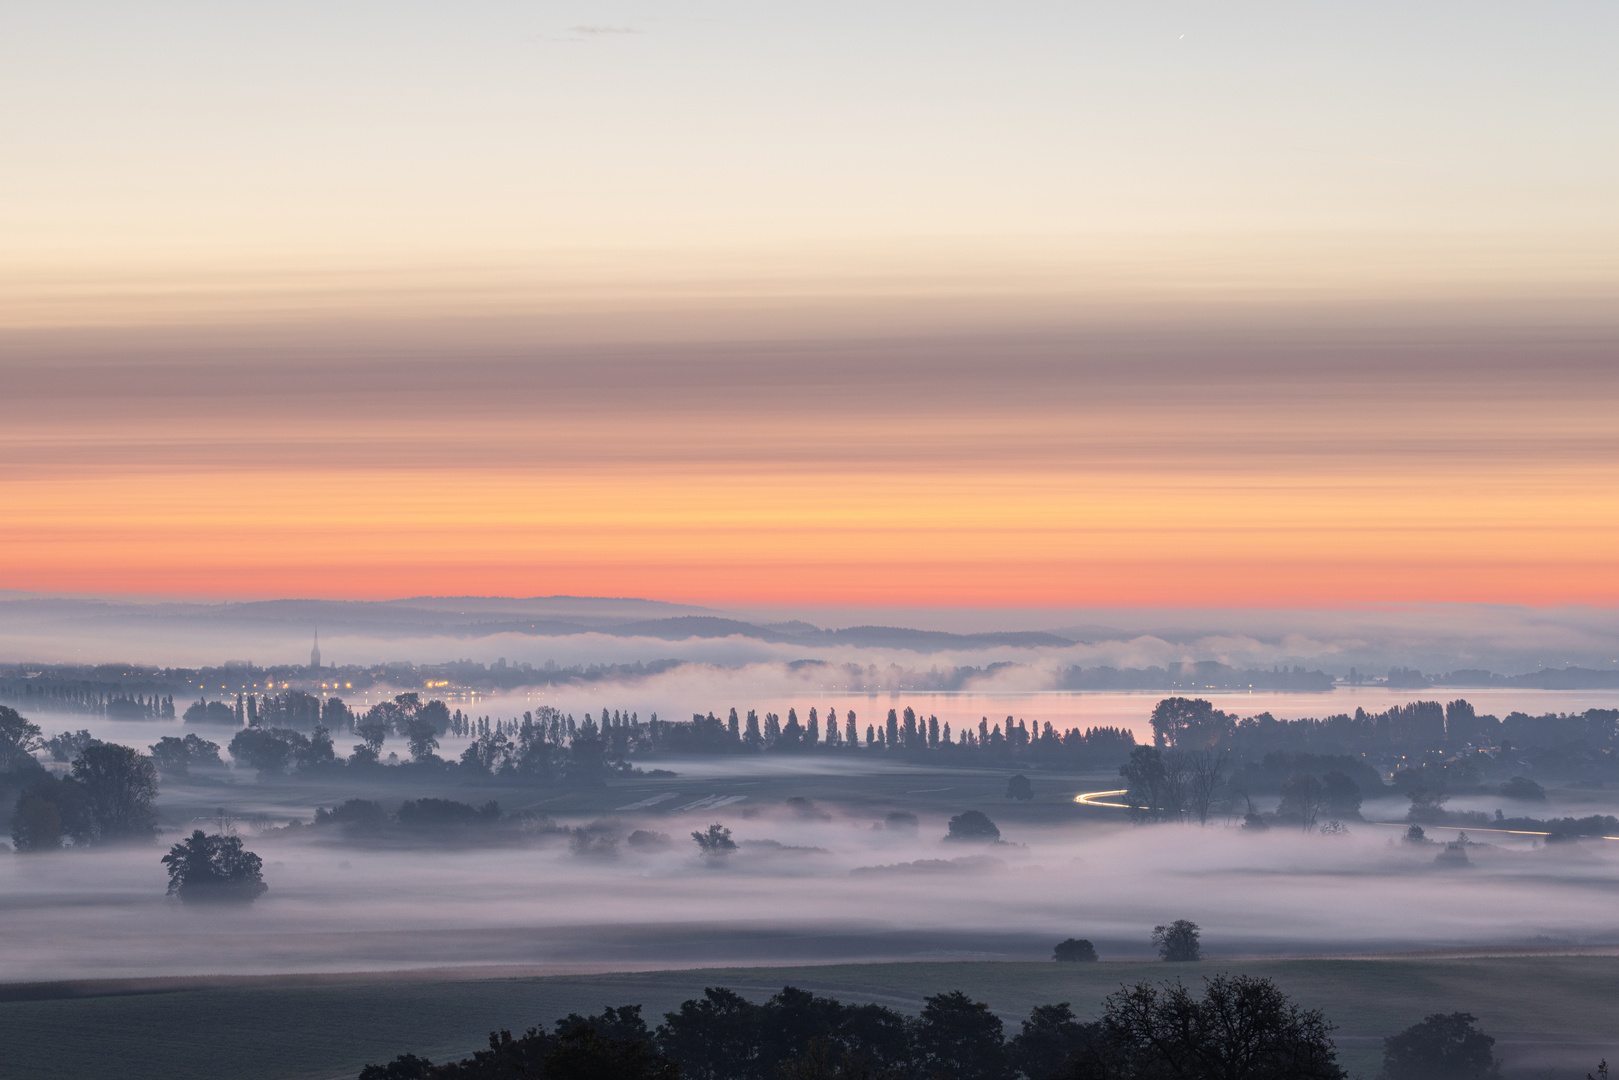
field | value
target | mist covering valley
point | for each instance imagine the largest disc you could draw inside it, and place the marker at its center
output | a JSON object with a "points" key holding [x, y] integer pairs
{"points": [[803, 890], [841, 852]]}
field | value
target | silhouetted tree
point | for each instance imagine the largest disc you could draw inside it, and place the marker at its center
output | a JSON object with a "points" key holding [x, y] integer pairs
{"points": [[320, 750], [1074, 949], [1302, 797], [1240, 1029], [715, 842], [973, 827], [175, 757], [203, 711], [1181, 941], [1427, 806], [373, 727], [1521, 787], [436, 715], [1150, 789], [422, 736], [270, 751], [19, 739], [959, 1038], [120, 786], [1189, 724], [336, 715], [1052, 1043], [1019, 788], [36, 824], [214, 869], [1441, 1047], [1342, 797], [1243, 1028], [1205, 770], [66, 746], [51, 810], [714, 1037]]}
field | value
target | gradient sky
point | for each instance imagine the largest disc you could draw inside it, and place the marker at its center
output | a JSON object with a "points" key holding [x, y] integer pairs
{"points": [[947, 304]]}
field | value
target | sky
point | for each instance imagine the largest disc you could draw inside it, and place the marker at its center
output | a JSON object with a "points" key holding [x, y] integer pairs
{"points": [[1072, 305]]}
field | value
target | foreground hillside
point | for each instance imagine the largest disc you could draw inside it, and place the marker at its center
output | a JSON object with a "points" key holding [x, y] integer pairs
{"points": [[1552, 1015]]}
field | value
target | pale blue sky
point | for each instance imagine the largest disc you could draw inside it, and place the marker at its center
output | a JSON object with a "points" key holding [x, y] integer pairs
{"points": [[434, 127]]}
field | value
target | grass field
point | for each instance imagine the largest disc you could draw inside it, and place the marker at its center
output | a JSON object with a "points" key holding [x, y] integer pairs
{"points": [[1553, 1016]]}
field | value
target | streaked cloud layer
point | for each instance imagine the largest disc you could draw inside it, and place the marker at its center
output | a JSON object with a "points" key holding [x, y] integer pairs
{"points": [[919, 306]]}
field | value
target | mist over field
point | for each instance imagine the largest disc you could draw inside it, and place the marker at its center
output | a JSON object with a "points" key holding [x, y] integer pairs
{"points": [[561, 498], [830, 878], [822, 890]]}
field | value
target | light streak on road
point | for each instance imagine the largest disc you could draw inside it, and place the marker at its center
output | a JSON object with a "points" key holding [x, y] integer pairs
{"points": [[1093, 798]]}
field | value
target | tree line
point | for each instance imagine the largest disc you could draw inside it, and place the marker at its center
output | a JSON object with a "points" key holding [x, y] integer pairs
{"points": [[1237, 1028], [1204, 760], [900, 732], [114, 704], [1144, 1031], [1194, 723]]}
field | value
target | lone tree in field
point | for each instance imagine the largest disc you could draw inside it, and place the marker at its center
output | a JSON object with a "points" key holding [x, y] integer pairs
{"points": [[715, 842], [1074, 950], [973, 827], [1019, 788], [214, 869], [1180, 942], [1441, 1047]]}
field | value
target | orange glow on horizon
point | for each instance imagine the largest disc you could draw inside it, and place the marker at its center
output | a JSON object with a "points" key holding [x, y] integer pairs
{"points": [[973, 538]]}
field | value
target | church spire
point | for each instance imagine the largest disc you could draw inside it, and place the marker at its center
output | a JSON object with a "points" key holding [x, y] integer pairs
{"points": [[314, 654]]}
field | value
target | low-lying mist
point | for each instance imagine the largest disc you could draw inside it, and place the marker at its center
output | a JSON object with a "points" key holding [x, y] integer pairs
{"points": [[830, 883]]}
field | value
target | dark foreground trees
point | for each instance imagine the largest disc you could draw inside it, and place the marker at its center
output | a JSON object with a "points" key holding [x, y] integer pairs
{"points": [[1239, 1029], [214, 869], [1242, 1029]]}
